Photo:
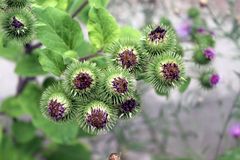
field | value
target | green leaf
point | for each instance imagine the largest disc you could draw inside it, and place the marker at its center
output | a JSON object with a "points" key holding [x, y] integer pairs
{"points": [[102, 28], [231, 155], [61, 4], [28, 66], [23, 132], [8, 151], [98, 3], [11, 107], [58, 133], [130, 32], [52, 62], [185, 85], [63, 33], [69, 56], [85, 49], [73, 152]]}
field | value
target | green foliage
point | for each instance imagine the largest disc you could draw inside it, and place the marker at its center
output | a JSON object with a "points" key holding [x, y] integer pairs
{"points": [[51, 62], [102, 28], [28, 66], [233, 154], [73, 152], [98, 3], [63, 33], [11, 107], [185, 85], [23, 132]]}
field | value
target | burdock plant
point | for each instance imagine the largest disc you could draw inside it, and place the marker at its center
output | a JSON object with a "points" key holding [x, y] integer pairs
{"points": [[18, 25], [56, 105], [165, 72], [158, 40]]}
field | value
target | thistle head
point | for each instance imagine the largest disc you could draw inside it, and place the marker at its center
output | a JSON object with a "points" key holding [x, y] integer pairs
{"points": [[235, 131], [165, 72], [127, 54], [159, 40], [97, 117], [128, 59], [205, 56], [157, 35], [129, 107], [114, 156], [116, 84], [209, 53], [80, 78], [18, 25], [170, 71], [56, 105], [209, 79], [120, 85], [16, 3]]}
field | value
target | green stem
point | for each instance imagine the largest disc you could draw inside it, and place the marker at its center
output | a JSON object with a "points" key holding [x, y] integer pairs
{"points": [[80, 8]]}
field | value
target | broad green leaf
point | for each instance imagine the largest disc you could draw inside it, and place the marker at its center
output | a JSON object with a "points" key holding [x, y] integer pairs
{"points": [[28, 66], [73, 152], [51, 62], [83, 15], [102, 28], [98, 3], [1, 134], [129, 32], [57, 30], [8, 151], [85, 49], [11, 107], [69, 56], [11, 50], [61, 4], [58, 133], [185, 85], [23, 132]]}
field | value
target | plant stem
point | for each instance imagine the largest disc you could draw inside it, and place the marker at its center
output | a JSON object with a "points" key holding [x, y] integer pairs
{"points": [[80, 8], [225, 125], [22, 82]]}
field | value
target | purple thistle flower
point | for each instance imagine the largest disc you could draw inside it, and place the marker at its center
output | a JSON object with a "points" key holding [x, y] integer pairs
{"points": [[97, 118], [120, 85], [56, 110], [214, 79], [235, 131], [209, 53], [16, 23], [184, 29]]}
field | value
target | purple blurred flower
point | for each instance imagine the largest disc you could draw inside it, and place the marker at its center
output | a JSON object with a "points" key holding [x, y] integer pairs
{"points": [[209, 53], [214, 79], [235, 131], [184, 29]]}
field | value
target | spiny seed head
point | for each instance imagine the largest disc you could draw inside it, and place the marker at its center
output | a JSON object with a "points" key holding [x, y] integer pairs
{"points": [[18, 25], [214, 79], [165, 72], [159, 39], [170, 71], [129, 105], [56, 109], [56, 105], [209, 53], [157, 35], [128, 59], [97, 118], [120, 85], [16, 3], [82, 81]]}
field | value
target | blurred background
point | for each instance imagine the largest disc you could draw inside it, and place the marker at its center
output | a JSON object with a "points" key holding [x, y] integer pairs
{"points": [[194, 125]]}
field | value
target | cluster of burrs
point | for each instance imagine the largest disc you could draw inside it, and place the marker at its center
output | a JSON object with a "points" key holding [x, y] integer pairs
{"points": [[17, 20], [97, 97]]}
